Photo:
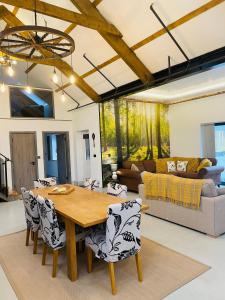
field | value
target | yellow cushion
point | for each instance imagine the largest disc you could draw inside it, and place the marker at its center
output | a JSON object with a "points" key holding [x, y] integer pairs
{"points": [[161, 165], [193, 163], [204, 163]]}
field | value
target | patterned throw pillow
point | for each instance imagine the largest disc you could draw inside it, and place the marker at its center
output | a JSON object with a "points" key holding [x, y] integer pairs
{"points": [[171, 166], [134, 168], [182, 166]]}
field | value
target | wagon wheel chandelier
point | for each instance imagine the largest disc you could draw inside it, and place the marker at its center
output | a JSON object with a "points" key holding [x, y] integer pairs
{"points": [[36, 43]]}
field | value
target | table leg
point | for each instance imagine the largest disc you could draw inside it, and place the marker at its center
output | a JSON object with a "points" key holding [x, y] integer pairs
{"points": [[71, 250]]}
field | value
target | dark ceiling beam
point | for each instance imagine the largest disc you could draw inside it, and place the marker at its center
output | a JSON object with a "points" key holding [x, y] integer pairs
{"points": [[195, 65]]}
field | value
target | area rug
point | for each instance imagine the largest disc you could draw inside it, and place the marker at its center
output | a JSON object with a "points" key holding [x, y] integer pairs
{"points": [[164, 271]]}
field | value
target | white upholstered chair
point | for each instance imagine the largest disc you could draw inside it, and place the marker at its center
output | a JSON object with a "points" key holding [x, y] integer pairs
{"points": [[45, 182], [117, 190], [120, 240], [52, 231], [91, 184], [32, 217]]}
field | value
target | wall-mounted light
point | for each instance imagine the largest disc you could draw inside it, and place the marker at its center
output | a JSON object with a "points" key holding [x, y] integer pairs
{"points": [[28, 88]]}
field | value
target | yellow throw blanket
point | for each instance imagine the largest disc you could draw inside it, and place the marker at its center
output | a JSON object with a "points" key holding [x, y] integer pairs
{"points": [[181, 191]]}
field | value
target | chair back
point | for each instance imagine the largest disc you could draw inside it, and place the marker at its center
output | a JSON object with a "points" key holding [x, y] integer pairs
{"points": [[117, 190], [45, 182], [91, 184], [50, 229], [123, 237], [31, 209]]}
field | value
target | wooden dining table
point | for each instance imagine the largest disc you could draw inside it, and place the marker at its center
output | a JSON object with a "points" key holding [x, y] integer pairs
{"points": [[83, 207]]}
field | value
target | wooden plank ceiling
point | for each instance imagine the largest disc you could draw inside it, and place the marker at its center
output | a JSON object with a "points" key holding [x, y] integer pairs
{"points": [[91, 17]]}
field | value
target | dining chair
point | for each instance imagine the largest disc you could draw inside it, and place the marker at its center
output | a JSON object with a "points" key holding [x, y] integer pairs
{"points": [[91, 184], [120, 240], [45, 182], [52, 231], [32, 217], [117, 190]]}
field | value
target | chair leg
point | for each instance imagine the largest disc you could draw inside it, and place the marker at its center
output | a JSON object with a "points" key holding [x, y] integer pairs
{"points": [[89, 259], [35, 242], [55, 262], [32, 235], [44, 253], [139, 266], [112, 277], [27, 236]]}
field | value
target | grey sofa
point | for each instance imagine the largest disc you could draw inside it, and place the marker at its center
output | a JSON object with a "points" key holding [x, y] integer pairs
{"points": [[209, 219]]}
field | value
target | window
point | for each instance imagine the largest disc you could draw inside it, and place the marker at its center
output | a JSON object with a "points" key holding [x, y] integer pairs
{"points": [[37, 104], [220, 147]]}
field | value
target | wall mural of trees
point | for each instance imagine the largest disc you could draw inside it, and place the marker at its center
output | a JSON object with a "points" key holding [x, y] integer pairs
{"points": [[134, 130]]}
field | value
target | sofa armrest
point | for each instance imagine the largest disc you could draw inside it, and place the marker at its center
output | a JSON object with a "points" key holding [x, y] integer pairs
{"points": [[217, 208], [128, 173], [211, 170]]}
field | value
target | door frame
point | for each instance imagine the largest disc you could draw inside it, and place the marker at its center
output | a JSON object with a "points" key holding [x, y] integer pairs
{"points": [[11, 152], [67, 134]]}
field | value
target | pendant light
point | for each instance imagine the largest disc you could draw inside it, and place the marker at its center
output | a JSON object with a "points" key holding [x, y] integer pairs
{"points": [[10, 70], [72, 77], [2, 86], [28, 88], [63, 97]]}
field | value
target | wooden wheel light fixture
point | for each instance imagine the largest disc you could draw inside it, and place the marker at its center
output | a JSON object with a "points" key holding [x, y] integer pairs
{"points": [[35, 43], [30, 42]]}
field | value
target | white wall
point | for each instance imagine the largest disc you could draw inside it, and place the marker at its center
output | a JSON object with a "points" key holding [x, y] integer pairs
{"points": [[185, 123], [62, 122], [87, 118]]}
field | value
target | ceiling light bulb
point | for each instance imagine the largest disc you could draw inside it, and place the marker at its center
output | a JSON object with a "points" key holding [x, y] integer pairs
{"points": [[63, 98], [55, 77], [72, 79], [10, 71], [2, 87], [28, 89]]}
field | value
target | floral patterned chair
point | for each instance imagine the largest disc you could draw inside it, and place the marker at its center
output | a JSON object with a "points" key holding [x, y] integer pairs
{"points": [[116, 189], [32, 217], [52, 231], [45, 182], [120, 240], [91, 184]]}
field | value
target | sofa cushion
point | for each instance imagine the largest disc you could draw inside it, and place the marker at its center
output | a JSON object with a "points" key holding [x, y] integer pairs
{"points": [[161, 165], [171, 166], [209, 189], [127, 165], [182, 165], [193, 163], [204, 163], [149, 165], [134, 168]]}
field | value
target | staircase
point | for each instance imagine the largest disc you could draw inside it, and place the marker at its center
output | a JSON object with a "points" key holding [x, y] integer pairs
{"points": [[4, 189]]}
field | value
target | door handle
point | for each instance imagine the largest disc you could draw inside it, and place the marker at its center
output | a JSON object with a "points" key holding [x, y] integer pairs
{"points": [[33, 163]]}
